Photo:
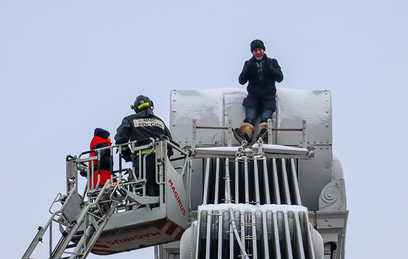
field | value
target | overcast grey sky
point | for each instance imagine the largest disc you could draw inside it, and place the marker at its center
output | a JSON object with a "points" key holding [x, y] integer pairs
{"points": [[67, 67]]}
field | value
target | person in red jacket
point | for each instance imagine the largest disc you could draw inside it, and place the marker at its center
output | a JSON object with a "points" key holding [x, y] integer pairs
{"points": [[101, 139]]}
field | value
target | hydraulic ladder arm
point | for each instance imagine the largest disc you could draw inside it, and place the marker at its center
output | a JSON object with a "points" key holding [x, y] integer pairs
{"points": [[90, 220]]}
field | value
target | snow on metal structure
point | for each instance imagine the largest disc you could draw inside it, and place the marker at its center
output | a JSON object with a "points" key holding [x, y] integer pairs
{"points": [[292, 187]]}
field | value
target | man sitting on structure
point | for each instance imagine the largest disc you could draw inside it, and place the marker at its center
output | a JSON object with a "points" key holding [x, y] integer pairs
{"points": [[261, 73]]}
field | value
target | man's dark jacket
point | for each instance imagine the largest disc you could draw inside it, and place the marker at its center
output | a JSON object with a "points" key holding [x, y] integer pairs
{"points": [[261, 77]]}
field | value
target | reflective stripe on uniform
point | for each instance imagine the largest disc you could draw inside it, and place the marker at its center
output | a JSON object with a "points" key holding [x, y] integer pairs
{"points": [[145, 151]]}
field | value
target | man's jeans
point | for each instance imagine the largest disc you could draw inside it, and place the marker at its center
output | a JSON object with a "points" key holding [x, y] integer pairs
{"points": [[252, 113]]}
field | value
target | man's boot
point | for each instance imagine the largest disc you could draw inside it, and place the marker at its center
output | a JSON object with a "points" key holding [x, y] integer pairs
{"points": [[245, 132], [262, 132]]}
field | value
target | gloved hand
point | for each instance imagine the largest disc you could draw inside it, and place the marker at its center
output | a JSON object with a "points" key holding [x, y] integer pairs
{"points": [[127, 155], [266, 65], [249, 65]]}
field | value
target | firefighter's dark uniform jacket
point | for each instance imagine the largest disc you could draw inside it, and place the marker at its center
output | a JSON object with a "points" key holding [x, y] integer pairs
{"points": [[141, 127]]}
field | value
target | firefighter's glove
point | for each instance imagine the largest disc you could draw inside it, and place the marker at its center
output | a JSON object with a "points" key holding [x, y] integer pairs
{"points": [[126, 154]]}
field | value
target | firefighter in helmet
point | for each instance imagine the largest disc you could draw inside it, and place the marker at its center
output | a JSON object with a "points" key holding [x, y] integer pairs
{"points": [[142, 126]]}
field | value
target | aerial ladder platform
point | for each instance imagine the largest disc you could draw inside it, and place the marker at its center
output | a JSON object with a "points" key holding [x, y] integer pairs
{"points": [[281, 198], [118, 216]]}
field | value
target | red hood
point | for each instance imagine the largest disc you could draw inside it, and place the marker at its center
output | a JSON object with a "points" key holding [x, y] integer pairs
{"points": [[96, 140]]}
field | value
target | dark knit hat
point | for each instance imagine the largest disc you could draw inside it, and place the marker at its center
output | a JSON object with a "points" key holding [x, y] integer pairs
{"points": [[101, 133], [257, 44]]}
